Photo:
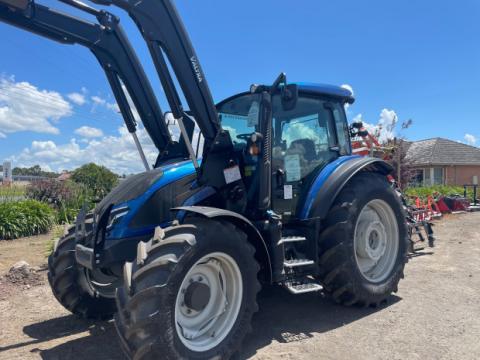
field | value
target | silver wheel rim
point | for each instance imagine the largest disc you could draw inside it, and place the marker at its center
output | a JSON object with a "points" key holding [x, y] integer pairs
{"points": [[376, 240], [202, 327]]}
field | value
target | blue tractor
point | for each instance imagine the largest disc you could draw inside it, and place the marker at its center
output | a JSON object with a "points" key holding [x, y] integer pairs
{"points": [[261, 188]]}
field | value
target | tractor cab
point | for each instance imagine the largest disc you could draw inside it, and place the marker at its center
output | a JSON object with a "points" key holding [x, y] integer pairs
{"points": [[305, 137]]}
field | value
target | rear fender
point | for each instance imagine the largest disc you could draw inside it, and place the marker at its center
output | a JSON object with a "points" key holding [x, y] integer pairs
{"points": [[330, 182], [253, 235]]}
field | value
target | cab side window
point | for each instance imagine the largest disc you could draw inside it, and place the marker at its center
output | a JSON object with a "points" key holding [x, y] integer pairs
{"points": [[341, 126], [301, 138]]}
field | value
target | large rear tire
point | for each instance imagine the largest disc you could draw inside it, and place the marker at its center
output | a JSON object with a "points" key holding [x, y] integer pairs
{"points": [[363, 249], [86, 293], [191, 295]]}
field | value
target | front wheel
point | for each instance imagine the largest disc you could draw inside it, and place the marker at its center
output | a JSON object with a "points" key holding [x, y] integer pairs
{"points": [[86, 293], [191, 294], [363, 249]]}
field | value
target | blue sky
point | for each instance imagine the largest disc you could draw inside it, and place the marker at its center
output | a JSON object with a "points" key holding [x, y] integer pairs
{"points": [[419, 59]]}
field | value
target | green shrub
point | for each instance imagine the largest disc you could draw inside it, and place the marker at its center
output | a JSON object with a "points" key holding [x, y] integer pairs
{"points": [[97, 178], [66, 197], [50, 191], [445, 190], [25, 218]]}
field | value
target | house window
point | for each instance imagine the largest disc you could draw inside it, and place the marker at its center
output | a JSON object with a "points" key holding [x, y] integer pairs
{"points": [[427, 178], [438, 176], [417, 178], [433, 176]]}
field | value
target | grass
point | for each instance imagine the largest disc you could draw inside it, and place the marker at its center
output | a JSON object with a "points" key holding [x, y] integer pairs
{"points": [[12, 192], [57, 233]]}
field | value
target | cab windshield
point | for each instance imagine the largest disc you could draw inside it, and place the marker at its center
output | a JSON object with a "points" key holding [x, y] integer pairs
{"points": [[240, 117]]}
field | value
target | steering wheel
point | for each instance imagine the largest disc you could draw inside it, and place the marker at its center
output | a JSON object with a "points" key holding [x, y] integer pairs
{"points": [[244, 137]]}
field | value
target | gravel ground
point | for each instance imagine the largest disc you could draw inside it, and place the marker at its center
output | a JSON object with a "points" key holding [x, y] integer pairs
{"points": [[435, 315]]}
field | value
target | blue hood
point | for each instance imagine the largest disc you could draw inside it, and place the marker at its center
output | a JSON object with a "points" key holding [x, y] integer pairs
{"points": [[136, 190]]}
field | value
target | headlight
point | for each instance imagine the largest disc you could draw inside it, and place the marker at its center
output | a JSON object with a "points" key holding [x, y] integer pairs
{"points": [[116, 215]]}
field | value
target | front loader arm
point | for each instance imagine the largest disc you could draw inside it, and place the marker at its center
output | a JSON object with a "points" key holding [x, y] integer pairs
{"points": [[167, 39], [112, 49], [164, 33]]}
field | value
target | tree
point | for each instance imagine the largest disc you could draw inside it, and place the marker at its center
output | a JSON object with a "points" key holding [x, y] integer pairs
{"points": [[402, 166], [97, 178], [393, 149], [35, 170]]}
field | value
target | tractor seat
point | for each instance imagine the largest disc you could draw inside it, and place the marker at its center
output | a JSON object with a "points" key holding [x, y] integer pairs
{"points": [[309, 153]]}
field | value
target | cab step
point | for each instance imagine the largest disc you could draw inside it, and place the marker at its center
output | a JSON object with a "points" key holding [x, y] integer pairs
{"points": [[303, 287], [290, 239], [297, 263]]}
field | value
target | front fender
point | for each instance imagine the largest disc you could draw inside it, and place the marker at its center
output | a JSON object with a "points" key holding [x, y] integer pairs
{"points": [[331, 180], [253, 235]]}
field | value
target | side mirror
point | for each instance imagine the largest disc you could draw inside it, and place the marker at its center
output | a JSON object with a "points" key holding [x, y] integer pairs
{"points": [[169, 118], [172, 126], [289, 94]]}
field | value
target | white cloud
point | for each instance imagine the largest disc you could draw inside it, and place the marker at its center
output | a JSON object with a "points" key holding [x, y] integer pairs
{"points": [[98, 101], [118, 153], [89, 132], [301, 131], [24, 107], [77, 98], [384, 130], [470, 139]]}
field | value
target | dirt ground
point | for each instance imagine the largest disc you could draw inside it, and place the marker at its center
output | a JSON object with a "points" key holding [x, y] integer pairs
{"points": [[435, 314]]}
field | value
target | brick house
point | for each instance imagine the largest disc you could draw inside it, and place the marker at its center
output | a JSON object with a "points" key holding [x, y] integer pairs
{"points": [[441, 161]]}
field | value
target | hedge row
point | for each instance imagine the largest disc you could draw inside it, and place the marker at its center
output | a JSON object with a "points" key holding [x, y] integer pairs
{"points": [[425, 191]]}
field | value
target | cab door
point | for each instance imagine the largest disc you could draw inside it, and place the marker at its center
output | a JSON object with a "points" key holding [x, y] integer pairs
{"points": [[305, 139]]}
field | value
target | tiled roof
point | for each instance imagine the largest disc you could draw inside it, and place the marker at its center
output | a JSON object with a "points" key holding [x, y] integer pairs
{"points": [[439, 151], [64, 176]]}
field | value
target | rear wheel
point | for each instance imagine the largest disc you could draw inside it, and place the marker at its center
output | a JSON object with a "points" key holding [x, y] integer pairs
{"points": [[192, 294], [363, 249], [86, 293]]}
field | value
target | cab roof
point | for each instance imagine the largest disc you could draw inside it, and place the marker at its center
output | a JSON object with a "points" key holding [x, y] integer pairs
{"points": [[326, 89], [311, 88]]}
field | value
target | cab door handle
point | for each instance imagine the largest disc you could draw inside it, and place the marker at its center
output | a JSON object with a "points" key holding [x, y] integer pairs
{"points": [[280, 178]]}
